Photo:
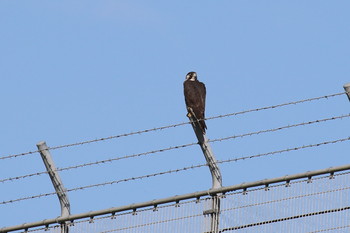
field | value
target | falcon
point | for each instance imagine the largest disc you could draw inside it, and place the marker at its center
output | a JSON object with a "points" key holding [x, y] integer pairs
{"points": [[195, 93]]}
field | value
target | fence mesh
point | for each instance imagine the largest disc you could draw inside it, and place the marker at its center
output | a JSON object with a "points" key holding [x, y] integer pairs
{"points": [[320, 204], [300, 206]]}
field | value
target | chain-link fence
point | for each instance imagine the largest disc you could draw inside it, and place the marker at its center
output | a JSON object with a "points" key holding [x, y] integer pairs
{"points": [[310, 205]]}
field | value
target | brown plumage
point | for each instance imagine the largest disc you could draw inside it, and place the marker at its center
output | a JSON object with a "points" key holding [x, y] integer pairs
{"points": [[195, 93]]}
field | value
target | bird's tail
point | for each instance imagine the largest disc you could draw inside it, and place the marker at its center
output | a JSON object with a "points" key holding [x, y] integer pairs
{"points": [[200, 122]]}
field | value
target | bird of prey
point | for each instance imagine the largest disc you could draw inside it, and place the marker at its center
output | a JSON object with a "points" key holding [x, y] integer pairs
{"points": [[195, 93]]}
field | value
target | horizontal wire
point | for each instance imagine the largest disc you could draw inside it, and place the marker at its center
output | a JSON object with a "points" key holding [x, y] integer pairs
{"points": [[180, 170], [276, 106], [176, 125], [23, 176], [282, 127], [331, 229], [285, 219], [154, 222], [286, 199], [177, 147], [284, 150], [106, 183], [18, 155], [99, 162]]}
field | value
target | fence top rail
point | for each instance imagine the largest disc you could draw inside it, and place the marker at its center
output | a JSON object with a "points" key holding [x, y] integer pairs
{"points": [[178, 198]]}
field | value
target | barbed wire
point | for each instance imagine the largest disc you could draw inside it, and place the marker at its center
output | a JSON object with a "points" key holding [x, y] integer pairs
{"points": [[106, 183], [100, 162], [177, 147], [23, 176], [180, 170], [282, 127], [18, 155], [284, 150], [277, 106], [175, 125]]}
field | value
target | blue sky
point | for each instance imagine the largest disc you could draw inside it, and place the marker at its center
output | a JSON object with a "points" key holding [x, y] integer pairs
{"points": [[77, 70]]}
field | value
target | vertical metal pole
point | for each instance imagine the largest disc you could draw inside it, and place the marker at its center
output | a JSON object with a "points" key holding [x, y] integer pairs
{"points": [[216, 214], [347, 89], [215, 174], [56, 181]]}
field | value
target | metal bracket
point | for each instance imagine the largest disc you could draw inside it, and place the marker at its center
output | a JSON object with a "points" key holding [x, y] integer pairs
{"points": [[214, 213], [210, 211]]}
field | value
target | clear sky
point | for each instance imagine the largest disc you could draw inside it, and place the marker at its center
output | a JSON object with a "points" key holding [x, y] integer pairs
{"points": [[78, 70]]}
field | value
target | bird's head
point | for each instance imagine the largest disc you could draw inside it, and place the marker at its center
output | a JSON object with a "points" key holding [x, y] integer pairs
{"points": [[192, 76]]}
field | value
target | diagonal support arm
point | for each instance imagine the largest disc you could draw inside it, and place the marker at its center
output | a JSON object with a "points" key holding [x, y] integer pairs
{"points": [[208, 153], [56, 181]]}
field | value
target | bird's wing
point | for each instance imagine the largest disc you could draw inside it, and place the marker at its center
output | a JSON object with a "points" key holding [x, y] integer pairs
{"points": [[203, 93]]}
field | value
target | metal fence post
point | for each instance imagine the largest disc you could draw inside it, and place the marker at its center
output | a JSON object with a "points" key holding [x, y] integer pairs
{"points": [[57, 183], [347, 89], [214, 212]]}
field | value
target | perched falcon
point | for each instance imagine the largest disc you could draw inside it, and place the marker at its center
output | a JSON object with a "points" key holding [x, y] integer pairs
{"points": [[195, 93]]}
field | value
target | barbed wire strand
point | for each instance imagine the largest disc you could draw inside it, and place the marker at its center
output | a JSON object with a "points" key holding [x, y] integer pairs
{"points": [[100, 162], [175, 125], [284, 150], [180, 170], [177, 147], [277, 106], [282, 127]]}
